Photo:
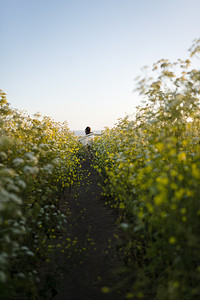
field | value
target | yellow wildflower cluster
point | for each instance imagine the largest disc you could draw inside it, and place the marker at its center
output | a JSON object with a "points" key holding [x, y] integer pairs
{"points": [[151, 171]]}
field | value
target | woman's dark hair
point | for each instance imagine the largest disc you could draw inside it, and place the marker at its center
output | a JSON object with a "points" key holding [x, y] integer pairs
{"points": [[87, 130]]}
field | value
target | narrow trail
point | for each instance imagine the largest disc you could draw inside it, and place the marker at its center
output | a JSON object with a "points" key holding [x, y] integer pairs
{"points": [[90, 260]]}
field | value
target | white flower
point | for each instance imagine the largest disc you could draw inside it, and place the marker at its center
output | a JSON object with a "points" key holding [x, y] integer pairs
{"points": [[18, 161], [15, 198], [48, 169], [21, 184], [31, 157], [28, 170], [3, 155]]}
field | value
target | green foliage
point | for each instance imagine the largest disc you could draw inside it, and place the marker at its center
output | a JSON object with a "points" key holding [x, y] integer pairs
{"points": [[37, 161], [151, 170]]}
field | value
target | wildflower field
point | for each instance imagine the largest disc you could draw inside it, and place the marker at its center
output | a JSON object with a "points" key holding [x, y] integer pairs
{"points": [[37, 162], [151, 172]]}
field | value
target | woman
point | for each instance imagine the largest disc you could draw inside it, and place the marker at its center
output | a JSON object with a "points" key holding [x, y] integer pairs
{"points": [[88, 139]]}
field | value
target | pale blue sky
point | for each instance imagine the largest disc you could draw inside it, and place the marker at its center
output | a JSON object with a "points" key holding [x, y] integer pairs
{"points": [[76, 60]]}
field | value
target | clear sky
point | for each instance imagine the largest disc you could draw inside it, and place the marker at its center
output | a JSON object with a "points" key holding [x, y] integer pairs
{"points": [[76, 60]]}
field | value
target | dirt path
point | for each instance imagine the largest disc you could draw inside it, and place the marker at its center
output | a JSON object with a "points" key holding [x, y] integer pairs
{"points": [[90, 260]]}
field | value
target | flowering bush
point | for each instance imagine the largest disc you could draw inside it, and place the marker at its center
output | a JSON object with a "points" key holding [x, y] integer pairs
{"points": [[37, 161], [151, 170]]}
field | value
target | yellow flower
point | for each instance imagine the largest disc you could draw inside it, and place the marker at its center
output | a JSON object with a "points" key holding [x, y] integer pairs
{"points": [[172, 240], [105, 289]]}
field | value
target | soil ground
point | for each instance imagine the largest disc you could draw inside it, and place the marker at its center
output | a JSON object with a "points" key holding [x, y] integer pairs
{"points": [[89, 263]]}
